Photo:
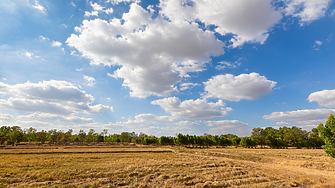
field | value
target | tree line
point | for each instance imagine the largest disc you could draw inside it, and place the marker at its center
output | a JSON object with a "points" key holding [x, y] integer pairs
{"points": [[274, 138]]}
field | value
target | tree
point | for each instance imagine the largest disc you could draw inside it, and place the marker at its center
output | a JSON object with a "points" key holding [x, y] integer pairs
{"points": [[15, 135], [81, 135], [259, 135], [31, 134], [41, 136], [327, 134]]}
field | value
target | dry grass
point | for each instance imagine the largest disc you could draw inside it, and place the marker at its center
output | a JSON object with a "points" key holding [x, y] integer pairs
{"points": [[111, 166]]}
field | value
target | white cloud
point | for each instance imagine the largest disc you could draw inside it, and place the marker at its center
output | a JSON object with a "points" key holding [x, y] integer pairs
{"points": [[79, 69], [119, 1], [306, 10], [189, 123], [39, 7], [96, 9], [249, 21], [4, 79], [56, 118], [93, 13], [36, 124], [54, 97], [185, 86], [280, 123], [74, 5], [192, 109], [109, 11], [318, 43], [96, 6], [227, 126], [56, 43], [225, 65], [323, 98], [44, 38], [307, 117], [5, 117], [162, 52], [90, 81], [235, 88], [30, 55]]}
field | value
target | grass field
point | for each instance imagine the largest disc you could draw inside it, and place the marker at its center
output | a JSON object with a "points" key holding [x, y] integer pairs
{"points": [[132, 166]]}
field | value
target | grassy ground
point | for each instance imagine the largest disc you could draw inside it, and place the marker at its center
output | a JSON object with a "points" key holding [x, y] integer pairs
{"points": [[131, 166]]}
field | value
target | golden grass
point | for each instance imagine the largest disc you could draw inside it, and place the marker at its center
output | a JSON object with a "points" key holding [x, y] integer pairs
{"points": [[141, 167]]}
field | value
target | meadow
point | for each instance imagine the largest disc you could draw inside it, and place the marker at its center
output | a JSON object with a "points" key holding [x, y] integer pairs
{"points": [[133, 165]]}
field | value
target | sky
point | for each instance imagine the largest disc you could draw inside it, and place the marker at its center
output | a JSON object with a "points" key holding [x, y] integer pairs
{"points": [[163, 67]]}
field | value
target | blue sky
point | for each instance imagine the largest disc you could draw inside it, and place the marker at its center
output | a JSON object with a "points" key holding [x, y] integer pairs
{"points": [[173, 66]]}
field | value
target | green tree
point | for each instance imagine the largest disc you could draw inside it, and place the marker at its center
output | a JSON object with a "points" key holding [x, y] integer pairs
{"points": [[4, 134], [327, 134], [41, 136], [31, 134], [81, 135], [15, 135], [259, 135]]}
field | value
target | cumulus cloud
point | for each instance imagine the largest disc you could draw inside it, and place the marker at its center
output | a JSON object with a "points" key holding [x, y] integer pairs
{"points": [[54, 97], [306, 10], [154, 54], [56, 43], [227, 126], [307, 116], [96, 9], [56, 118], [39, 7], [249, 21], [90, 81], [235, 88], [72, 4], [193, 109], [5, 117], [323, 98]]}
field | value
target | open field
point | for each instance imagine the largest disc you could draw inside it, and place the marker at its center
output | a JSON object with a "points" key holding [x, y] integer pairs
{"points": [[132, 166]]}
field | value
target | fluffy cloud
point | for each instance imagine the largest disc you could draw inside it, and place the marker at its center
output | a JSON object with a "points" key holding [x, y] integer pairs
{"points": [[93, 13], [324, 98], [227, 126], [154, 54], [235, 88], [307, 117], [249, 21], [193, 109], [5, 117], [55, 97], [306, 10], [90, 81], [56, 118], [96, 9]]}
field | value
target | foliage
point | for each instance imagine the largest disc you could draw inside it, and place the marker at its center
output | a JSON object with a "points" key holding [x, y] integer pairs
{"points": [[327, 134]]}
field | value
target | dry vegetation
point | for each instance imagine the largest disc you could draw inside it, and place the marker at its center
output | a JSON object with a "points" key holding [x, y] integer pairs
{"points": [[133, 166]]}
